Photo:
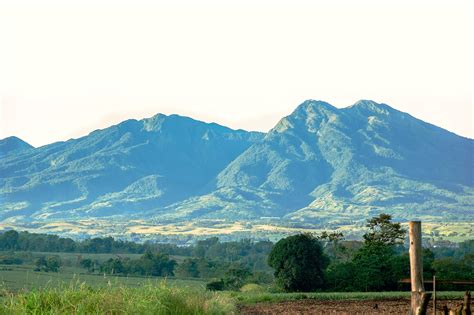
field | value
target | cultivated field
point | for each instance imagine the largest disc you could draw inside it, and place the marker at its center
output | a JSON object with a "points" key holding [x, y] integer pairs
{"points": [[343, 307]]}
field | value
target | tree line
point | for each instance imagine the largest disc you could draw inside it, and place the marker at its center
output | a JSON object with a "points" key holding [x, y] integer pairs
{"points": [[302, 262]]}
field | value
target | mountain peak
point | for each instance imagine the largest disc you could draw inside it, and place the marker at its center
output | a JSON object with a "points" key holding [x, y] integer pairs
{"points": [[311, 108], [11, 144], [312, 105], [371, 107], [308, 115]]}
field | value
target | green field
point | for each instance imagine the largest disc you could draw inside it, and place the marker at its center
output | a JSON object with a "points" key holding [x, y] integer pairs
{"points": [[23, 277]]}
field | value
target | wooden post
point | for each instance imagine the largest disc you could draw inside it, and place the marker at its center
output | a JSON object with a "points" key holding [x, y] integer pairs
{"points": [[416, 266], [425, 299], [467, 303], [434, 295]]}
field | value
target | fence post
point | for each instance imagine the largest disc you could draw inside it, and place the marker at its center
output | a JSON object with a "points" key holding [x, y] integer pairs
{"points": [[416, 266], [467, 303], [434, 295]]}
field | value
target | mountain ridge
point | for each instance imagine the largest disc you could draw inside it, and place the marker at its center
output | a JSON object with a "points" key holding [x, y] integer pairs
{"points": [[319, 165]]}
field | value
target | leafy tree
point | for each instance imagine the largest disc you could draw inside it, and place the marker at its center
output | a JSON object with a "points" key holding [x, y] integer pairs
{"points": [[188, 268], [383, 231], [236, 277], [204, 245], [157, 264], [113, 266], [51, 263], [450, 268], [9, 240], [298, 261], [332, 244], [88, 264], [375, 268], [428, 260], [340, 276], [41, 264], [376, 265]]}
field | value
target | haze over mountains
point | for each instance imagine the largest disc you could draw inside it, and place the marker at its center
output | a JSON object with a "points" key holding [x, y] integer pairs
{"points": [[318, 165]]}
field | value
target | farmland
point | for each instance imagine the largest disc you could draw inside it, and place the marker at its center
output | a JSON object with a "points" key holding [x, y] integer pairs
{"points": [[74, 290], [55, 292], [325, 274], [23, 277]]}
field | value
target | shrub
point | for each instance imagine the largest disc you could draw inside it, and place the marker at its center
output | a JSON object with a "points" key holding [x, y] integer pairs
{"points": [[252, 288], [215, 285]]}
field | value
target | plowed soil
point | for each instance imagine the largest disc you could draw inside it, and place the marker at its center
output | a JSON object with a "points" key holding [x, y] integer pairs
{"points": [[397, 306]]}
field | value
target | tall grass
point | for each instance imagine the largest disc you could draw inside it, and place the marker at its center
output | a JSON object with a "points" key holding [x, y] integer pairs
{"points": [[148, 299]]}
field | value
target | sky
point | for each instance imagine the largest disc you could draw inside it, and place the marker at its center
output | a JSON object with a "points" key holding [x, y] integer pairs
{"points": [[70, 67]]}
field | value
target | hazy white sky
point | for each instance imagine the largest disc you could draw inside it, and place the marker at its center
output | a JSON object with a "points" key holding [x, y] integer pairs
{"points": [[69, 67]]}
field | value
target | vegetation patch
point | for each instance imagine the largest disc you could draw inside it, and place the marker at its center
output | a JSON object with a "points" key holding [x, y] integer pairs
{"points": [[82, 299]]}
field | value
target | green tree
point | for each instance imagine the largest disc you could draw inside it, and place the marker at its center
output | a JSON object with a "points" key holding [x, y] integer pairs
{"points": [[376, 265], [156, 264], [236, 277], [332, 244], [41, 264], [113, 266], [9, 240], [53, 263], [88, 264], [375, 268], [188, 268], [298, 262], [50, 263], [383, 231]]}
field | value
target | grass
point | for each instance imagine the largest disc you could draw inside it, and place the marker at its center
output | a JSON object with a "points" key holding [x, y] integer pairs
{"points": [[251, 298], [79, 298], [20, 278]]}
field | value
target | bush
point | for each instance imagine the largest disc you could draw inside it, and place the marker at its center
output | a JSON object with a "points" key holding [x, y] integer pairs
{"points": [[50, 263], [215, 285], [10, 259], [236, 277], [252, 288]]}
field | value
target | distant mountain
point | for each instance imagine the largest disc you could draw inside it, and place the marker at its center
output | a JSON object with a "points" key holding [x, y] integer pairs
{"points": [[322, 164], [123, 169], [319, 165]]}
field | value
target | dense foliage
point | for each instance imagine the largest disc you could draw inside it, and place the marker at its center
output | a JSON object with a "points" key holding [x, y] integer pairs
{"points": [[299, 262], [51, 263], [25, 241], [150, 264]]}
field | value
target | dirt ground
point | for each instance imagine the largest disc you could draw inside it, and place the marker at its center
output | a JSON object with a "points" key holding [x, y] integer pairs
{"points": [[399, 306]]}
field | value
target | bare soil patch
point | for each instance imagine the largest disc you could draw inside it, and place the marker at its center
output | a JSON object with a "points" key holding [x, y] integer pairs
{"points": [[343, 307]]}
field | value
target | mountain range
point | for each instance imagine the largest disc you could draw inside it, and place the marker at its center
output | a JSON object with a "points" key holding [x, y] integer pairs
{"points": [[318, 165]]}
